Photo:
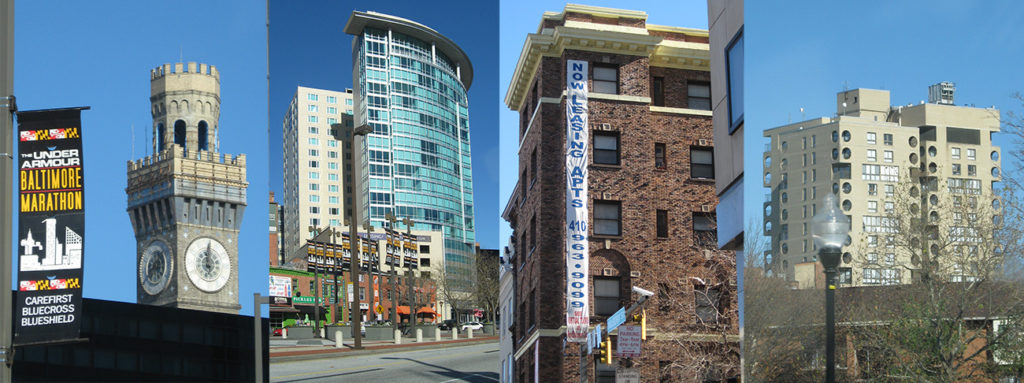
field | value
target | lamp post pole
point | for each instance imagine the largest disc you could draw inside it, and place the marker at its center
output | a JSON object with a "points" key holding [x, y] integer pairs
{"points": [[394, 277], [354, 161], [316, 287], [830, 229], [412, 294], [830, 259]]}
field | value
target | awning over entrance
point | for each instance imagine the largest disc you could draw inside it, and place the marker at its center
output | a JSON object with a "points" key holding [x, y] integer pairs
{"points": [[404, 310]]}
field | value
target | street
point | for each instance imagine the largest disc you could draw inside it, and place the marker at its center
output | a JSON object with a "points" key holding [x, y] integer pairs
{"points": [[472, 363]]}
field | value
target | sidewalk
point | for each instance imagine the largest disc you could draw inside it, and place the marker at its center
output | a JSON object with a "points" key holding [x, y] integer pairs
{"points": [[285, 350]]}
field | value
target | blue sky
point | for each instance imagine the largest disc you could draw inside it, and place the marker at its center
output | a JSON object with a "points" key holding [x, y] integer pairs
{"points": [[801, 59], [309, 48], [519, 18], [99, 53]]}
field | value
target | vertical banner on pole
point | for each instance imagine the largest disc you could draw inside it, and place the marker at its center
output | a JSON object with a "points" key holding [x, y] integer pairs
{"points": [[51, 226], [577, 156]]}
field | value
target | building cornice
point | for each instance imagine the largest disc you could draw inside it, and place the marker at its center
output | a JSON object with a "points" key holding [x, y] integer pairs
{"points": [[604, 38]]}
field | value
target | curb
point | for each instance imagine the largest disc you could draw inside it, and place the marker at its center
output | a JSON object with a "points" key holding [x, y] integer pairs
{"points": [[329, 352]]}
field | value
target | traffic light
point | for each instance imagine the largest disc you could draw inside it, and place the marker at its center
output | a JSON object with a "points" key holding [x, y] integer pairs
{"points": [[641, 318], [605, 352]]}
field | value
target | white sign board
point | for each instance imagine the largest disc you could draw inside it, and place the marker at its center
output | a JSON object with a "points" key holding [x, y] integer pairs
{"points": [[627, 375], [280, 286], [577, 142], [629, 342]]}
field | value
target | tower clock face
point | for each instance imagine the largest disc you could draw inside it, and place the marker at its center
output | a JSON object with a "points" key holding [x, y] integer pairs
{"points": [[155, 267], [207, 264]]}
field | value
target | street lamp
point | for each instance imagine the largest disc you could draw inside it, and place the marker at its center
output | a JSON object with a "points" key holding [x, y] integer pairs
{"points": [[829, 228], [348, 134]]}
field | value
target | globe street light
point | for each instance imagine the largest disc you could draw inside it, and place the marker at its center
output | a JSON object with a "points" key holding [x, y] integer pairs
{"points": [[830, 228]]}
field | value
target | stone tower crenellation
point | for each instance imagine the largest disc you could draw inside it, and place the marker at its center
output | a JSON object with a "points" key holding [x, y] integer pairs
{"points": [[185, 102]]}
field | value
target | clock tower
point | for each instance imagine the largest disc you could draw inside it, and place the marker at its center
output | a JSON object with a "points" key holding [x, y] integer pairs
{"points": [[186, 200]]}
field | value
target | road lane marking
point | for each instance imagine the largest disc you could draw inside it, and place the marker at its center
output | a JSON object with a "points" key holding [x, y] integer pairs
{"points": [[366, 367], [470, 376]]}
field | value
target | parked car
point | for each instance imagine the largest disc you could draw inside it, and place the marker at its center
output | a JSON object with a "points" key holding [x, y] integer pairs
{"points": [[472, 325], [446, 325], [277, 331]]}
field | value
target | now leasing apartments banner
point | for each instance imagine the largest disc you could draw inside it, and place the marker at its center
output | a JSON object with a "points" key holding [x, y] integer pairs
{"points": [[51, 226], [577, 315]]}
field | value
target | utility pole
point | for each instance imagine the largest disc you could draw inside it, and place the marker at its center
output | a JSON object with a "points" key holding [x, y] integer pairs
{"points": [[7, 107]]}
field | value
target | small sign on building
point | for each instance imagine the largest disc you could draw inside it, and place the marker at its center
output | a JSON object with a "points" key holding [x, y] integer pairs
{"points": [[627, 375]]}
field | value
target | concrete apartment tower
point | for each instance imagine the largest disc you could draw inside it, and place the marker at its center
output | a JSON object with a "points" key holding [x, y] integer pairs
{"points": [[650, 193], [934, 162], [410, 85], [313, 164], [186, 200]]}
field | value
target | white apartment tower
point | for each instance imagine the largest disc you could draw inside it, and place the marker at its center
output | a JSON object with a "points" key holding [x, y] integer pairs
{"points": [[926, 168], [313, 164]]}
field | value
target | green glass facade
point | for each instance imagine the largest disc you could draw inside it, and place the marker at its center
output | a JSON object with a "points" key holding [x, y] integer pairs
{"points": [[417, 158]]}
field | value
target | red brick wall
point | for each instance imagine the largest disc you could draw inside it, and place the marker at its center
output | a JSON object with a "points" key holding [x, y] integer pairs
{"points": [[668, 266]]}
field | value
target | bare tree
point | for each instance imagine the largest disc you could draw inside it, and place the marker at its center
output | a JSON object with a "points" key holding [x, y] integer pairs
{"points": [[487, 285], [781, 326], [946, 243]]}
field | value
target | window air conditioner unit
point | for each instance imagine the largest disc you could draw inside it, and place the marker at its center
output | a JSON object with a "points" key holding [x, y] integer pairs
{"points": [[607, 271], [707, 208], [604, 127], [703, 142]]}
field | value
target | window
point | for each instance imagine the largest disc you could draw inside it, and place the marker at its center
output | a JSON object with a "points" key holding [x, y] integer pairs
{"points": [[890, 191], [873, 189], [971, 154], [872, 276], [659, 156], [606, 296], [348, 101], [956, 169], [313, 130], [607, 218], [890, 206], [872, 206], [702, 163], [662, 221], [872, 240], [872, 155], [887, 138], [606, 79], [706, 301], [311, 108], [658, 91], [972, 170], [698, 96], [888, 156], [606, 148], [312, 119], [533, 166], [332, 110], [311, 97], [734, 79], [845, 276], [704, 229], [314, 175], [871, 138], [313, 141], [332, 99], [424, 249], [314, 164]]}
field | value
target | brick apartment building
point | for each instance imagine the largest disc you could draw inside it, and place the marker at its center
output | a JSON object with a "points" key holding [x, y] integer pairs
{"points": [[651, 198]]}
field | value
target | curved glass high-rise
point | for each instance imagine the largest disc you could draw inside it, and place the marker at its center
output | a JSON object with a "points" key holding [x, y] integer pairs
{"points": [[410, 85]]}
